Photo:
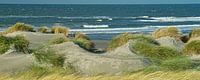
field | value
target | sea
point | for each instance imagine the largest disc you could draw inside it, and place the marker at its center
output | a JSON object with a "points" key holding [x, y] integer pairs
{"points": [[100, 21]]}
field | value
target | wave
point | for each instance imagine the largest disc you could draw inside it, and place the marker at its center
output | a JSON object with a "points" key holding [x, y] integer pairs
{"points": [[95, 26], [171, 19]]}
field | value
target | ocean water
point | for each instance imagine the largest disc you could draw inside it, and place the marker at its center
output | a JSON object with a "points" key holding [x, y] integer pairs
{"points": [[103, 21]]}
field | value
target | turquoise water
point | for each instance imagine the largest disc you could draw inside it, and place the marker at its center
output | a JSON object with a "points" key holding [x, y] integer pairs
{"points": [[103, 21]]}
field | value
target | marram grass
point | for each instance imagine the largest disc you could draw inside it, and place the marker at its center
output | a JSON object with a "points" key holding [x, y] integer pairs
{"points": [[60, 30], [158, 75], [164, 32]]}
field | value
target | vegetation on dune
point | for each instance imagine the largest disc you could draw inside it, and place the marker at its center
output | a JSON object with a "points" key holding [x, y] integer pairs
{"points": [[58, 40], [60, 29], [179, 63], [47, 56], [19, 27], [83, 41], [5, 43], [80, 35], [192, 47], [125, 37], [194, 33], [154, 51], [43, 29], [19, 42], [169, 31]]}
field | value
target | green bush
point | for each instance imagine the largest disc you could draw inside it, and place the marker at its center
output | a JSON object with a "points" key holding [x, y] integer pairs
{"points": [[193, 47], [43, 29], [154, 51], [84, 43], [125, 37], [19, 27], [21, 44], [59, 40], [47, 56], [5, 43], [179, 63]]}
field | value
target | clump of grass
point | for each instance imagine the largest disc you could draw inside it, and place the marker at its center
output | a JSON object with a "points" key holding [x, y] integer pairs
{"points": [[125, 37], [60, 29], [179, 63], [192, 47], [84, 43], [19, 27], [154, 51], [19, 42], [43, 29], [47, 56], [194, 33], [5, 43], [58, 40], [169, 31], [80, 35]]}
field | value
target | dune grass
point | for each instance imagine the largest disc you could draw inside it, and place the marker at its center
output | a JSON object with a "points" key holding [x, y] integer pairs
{"points": [[60, 30], [169, 31], [19, 42], [19, 27], [43, 29], [58, 40], [158, 75], [83, 41], [195, 33], [46, 56], [192, 47]]}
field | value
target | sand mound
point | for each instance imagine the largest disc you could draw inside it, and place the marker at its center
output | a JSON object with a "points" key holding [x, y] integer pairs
{"points": [[171, 42], [90, 63], [15, 62], [36, 39]]}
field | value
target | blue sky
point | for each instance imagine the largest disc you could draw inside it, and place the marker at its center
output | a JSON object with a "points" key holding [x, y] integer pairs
{"points": [[99, 1]]}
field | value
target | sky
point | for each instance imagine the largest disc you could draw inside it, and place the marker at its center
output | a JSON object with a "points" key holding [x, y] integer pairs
{"points": [[99, 1]]}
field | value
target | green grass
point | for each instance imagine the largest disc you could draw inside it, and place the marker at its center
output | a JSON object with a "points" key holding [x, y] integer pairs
{"points": [[154, 51], [19, 27], [195, 33], [19, 42], [179, 63], [124, 38], [59, 40], [43, 29], [192, 47], [80, 35], [47, 56], [84, 43]]}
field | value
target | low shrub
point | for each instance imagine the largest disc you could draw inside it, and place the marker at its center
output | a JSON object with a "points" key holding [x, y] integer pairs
{"points": [[179, 63], [169, 31], [60, 29], [43, 29], [19, 27], [47, 56], [125, 37], [21, 44], [58, 40], [194, 33], [192, 47], [80, 35], [84, 43], [5, 43], [154, 51]]}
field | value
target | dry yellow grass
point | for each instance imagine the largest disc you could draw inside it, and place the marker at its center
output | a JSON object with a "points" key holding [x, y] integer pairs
{"points": [[169, 31], [159, 75], [43, 29], [195, 33], [19, 27], [60, 29]]}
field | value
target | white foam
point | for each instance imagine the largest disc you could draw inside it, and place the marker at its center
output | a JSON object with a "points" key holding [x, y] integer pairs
{"points": [[95, 26], [171, 19]]}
